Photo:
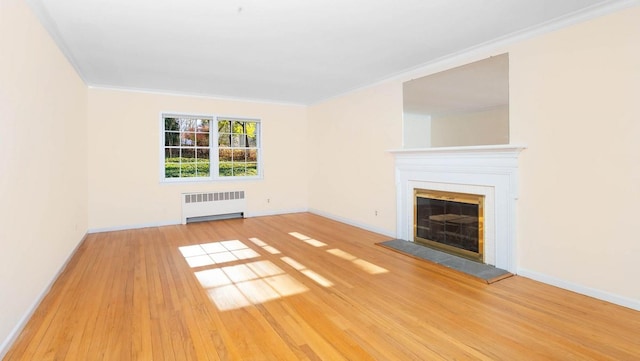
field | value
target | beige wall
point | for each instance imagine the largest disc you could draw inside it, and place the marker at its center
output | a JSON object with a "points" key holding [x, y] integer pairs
{"points": [[575, 102], [352, 174], [43, 163], [488, 126], [124, 149]]}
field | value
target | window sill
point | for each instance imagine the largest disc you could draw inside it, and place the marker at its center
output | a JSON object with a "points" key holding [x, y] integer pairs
{"points": [[209, 180]]}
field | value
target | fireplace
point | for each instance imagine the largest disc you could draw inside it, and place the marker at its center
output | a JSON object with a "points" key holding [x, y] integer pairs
{"points": [[451, 222], [487, 171]]}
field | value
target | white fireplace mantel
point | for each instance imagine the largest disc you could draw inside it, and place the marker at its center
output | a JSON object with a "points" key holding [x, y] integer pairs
{"points": [[489, 170]]}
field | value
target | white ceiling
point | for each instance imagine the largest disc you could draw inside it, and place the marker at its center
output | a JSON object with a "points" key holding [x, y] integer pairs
{"points": [[291, 51]]}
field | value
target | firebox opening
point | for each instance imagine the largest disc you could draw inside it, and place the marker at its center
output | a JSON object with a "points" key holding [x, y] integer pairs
{"points": [[450, 222]]}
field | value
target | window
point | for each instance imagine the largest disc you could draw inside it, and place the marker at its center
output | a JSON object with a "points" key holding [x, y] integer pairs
{"points": [[209, 147]]}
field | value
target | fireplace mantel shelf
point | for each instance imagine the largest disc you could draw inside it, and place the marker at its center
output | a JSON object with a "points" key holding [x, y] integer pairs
{"points": [[501, 148]]}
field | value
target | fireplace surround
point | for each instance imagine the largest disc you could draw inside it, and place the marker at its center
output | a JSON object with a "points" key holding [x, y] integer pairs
{"points": [[489, 171]]}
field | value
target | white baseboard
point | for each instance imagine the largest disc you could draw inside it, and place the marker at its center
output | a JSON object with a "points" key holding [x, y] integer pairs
{"points": [[135, 226], [351, 222], [587, 291], [275, 212], [13, 335]]}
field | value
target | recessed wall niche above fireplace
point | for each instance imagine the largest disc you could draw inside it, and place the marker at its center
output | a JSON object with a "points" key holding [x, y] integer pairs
{"points": [[451, 222], [463, 106]]}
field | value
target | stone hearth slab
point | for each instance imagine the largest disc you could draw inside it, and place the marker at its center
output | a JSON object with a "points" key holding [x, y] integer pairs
{"points": [[485, 272]]}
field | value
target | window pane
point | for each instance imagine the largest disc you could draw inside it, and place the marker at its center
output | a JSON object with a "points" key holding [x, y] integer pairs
{"points": [[188, 125], [203, 126], [188, 155], [224, 140], [252, 155], [171, 138], [252, 141], [224, 155], [188, 169], [202, 168], [187, 139], [224, 126], [171, 124], [203, 154], [171, 169], [239, 155], [202, 139], [224, 169], [239, 169], [251, 128], [172, 153], [238, 141], [225, 164], [203, 162], [238, 127], [252, 168]]}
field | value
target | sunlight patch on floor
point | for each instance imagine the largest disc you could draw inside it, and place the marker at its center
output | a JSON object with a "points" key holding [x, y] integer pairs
{"points": [[299, 236], [342, 254], [360, 263], [308, 240], [208, 254], [246, 284], [369, 267], [293, 263], [246, 281], [241, 284], [258, 242], [307, 272]]}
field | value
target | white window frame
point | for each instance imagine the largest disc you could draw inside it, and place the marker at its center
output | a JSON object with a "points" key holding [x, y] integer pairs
{"points": [[214, 158]]}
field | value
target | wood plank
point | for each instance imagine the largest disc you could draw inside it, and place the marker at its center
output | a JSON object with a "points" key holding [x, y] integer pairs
{"points": [[131, 295]]}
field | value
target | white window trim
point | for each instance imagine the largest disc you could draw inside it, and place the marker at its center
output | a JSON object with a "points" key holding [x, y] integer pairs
{"points": [[213, 146]]}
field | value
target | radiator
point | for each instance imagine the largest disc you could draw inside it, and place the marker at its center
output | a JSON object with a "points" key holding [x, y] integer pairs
{"points": [[210, 206]]}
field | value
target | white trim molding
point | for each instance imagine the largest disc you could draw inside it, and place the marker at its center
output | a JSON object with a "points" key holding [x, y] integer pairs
{"points": [[490, 170]]}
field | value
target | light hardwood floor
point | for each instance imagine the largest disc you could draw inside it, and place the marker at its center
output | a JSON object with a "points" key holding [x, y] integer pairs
{"points": [[132, 295]]}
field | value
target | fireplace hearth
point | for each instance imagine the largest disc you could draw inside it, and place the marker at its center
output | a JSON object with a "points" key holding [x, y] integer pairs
{"points": [[451, 222]]}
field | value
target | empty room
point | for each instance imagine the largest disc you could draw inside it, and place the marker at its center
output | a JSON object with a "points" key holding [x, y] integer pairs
{"points": [[319, 180]]}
